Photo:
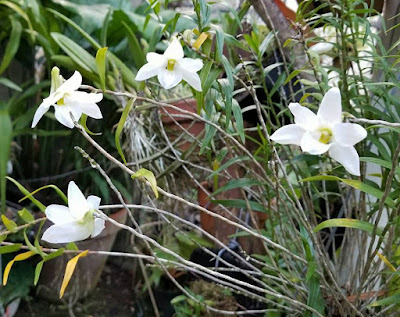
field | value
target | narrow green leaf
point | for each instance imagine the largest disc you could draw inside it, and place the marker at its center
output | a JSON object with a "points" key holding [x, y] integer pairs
{"points": [[71, 246], [379, 162], [394, 299], [9, 224], [239, 203], [12, 45], [6, 131], [10, 248], [237, 114], [26, 215], [53, 255], [229, 163], [83, 121], [38, 270], [348, 223], [149, 176], [8, 83], [120, 127], [76, 52], [58, 191], [355, 184], [267, 42], [101, 66], [137, 52], [235, 183], [23, 190], [220, 43]]}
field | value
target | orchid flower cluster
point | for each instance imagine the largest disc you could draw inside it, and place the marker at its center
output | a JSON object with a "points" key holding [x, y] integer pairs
{"points": [[314, 133]]}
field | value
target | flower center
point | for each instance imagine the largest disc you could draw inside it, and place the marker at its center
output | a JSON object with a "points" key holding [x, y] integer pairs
{"points": [[87, 217], [171, 64], [326, 135], [61, 102]]}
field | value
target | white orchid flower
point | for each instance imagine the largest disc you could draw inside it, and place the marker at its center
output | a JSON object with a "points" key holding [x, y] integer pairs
{"points": [[75, 222], [66, 99], [171, 67], [324, 132], [321, 48]]}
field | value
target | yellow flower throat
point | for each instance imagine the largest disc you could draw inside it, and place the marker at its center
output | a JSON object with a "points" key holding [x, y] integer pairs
{"points": [[326, 135]]}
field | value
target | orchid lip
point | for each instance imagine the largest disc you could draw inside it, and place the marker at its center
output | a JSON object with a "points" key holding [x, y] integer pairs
{"points": [[61, 102], [326, 135]]}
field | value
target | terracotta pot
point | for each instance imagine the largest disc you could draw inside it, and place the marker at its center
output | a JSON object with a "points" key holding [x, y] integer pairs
{"points": [[192, 126], [88, 270], [222, 230]]}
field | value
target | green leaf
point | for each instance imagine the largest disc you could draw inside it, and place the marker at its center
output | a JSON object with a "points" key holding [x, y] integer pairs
{"points": [[235, 183], [71, 246], [38, 270], [23, 190], [8, 83], [239, 203], [355, 184], [10, 248], [149, 176], [219, 43], [9, 224], [5, 144], [101, 65], [348, 223], [120, 127], [83, 123], [237, 113], [12, 45], [58, 191], [26, 215], [137, 52], [394, 299], [76, 52], [55, 254], [266, 43], [380, 162]]}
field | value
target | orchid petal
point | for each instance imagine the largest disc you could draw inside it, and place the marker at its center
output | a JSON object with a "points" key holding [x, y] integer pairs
{"points": [[347, 156], [82, 97], [330, 110], [93, 202], [62, 114], [310, 145], [155, 58], [192, 79], [92, 110], [76, 201], [304, 117], [39, 114], [169, 79], [59, 214], [289, 134], [174, 50], [321, 48], [99, 225], [65, 233], [349, 133], [191, 64], [72, 84], [147, 71]]}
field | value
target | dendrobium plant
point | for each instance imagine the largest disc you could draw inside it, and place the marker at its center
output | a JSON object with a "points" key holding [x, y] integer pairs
{"points": [[75, 222], [66, 99], [324, 132], [171, 67]]}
